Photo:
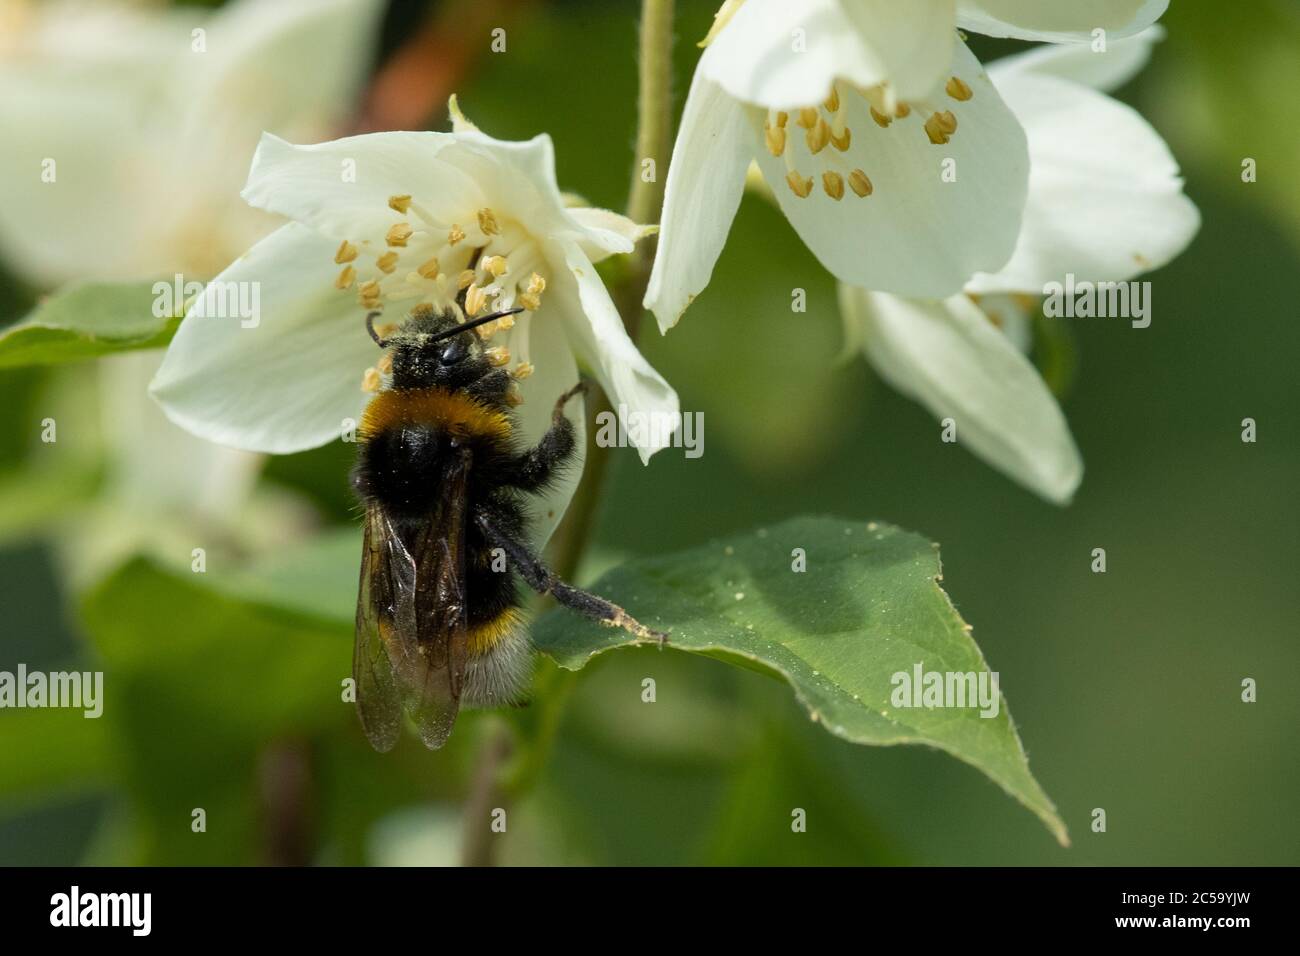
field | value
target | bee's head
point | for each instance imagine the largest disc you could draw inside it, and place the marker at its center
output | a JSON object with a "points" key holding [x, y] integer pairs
{"points": [[435, 348]]}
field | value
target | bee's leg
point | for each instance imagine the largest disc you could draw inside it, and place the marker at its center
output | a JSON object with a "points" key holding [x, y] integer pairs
{"points": [[536, 467], [545, 581]]}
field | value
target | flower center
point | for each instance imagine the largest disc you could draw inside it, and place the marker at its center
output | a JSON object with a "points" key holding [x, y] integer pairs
{"points": [[485, 263], [826, 124]]}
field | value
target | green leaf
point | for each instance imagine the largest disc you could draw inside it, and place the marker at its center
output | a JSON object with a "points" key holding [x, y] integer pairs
{"points": [[867, 607], [85, 320]]}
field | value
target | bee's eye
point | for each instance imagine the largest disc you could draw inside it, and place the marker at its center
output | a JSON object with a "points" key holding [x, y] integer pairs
{"points": [[454, 351]]}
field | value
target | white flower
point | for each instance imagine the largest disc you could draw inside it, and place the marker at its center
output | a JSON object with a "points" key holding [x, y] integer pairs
{"points": [[127, 128], [1105, 203], [388, 221], [887, 148]]}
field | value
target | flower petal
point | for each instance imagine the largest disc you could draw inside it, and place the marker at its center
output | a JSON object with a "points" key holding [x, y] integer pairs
{"points": [[1122, 60], [597, 336], [1058, 20], [1105, 200], [782, 55], [948, 356], [541, 341], [706, 180], [287, 383], [915, 233], [603, 233], [341, 188]]}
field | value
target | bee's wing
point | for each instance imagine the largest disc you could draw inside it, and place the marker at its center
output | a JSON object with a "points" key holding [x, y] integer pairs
{"points": [[383, 575], [411, 623]]}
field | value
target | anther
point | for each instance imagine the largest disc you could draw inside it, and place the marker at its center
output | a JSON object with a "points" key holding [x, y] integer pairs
{"points": [[800, 186], [775, 138], [475, 300], [536, 284], [385, 363], [487, 222], [498, 356], [514, 397], [833, 101], [530, 301], [465, 279], [881, 119], [842, 141], [371, 381], [430, 269], [818, 137], [860, 184], [781, 118], [387, 262], [398, 233], [957, 89], [345, 278], [399, 203], [808, 117], [495, 265], [455, 234], [940, 127], [347, 252], [521, 371], [833, 184], [902, 111]]}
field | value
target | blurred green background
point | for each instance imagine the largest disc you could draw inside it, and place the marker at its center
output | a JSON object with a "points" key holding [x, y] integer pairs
{"points": [[1125, 685]]}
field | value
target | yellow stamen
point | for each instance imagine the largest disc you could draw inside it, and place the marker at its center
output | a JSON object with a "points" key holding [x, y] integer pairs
{"points": [[495, 265], [345, 278], [465, 279], [505, 323], [808, 117], [497, 357], [347, 252], [860, 184], [881, 119], [833, 184], [487, 222], [940, 127], [398, 233], [387, 262], [818, 137], [800, 186], [371, 381], [842, 141], [536, 284], [781, 118], [455, 234], [833, 101], [530, 301], [521, 371], [385, 363], [902, 111], [775, 138], [430, 269], [475, 300], [957, 89], [399, 203]]}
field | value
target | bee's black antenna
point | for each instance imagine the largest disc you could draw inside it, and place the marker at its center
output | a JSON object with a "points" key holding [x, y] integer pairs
{"points": [[473, 324], [370, 327]]}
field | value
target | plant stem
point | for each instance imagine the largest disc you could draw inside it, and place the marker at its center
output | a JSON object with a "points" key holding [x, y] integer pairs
{"points": [[645, 198]]}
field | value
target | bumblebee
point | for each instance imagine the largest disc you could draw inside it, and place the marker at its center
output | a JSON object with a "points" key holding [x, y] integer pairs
{"points": [[444, 483]]}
